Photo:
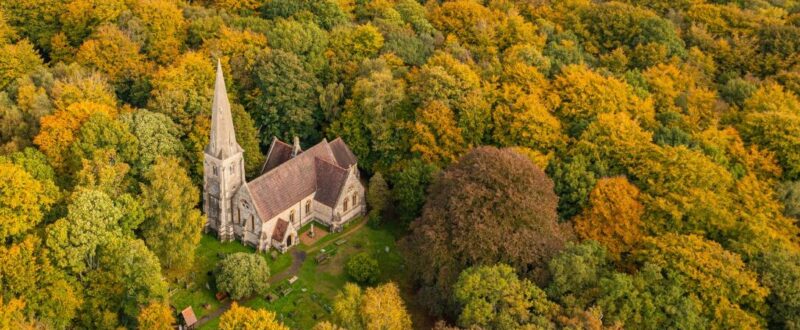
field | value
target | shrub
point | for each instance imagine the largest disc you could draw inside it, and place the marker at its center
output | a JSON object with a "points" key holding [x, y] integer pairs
{"points": [[363, 268]]}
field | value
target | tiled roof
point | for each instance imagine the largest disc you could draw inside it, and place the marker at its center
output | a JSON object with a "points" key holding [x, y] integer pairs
{"points": [[344, 157], [280, 230], [330, 179], [279, 153], [290, 182], [188, 316]]}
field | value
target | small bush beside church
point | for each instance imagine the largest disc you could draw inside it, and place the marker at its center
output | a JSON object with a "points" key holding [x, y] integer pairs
{"points": [[363, 268]]}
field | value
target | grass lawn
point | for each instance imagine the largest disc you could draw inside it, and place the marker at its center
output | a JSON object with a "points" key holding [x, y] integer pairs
{"points": [[317, 285], [197, 293]]}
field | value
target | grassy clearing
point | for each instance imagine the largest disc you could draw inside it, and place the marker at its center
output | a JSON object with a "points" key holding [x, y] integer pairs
{"points": [[194, 291], [312, 294]]}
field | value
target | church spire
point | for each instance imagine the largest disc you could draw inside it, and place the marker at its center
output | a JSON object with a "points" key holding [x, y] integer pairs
{"points": [[223, 139]]}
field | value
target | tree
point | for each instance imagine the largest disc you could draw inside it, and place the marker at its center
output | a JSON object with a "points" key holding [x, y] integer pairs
{"points": [[613, 216], [378, 96], [158, 136], [112, 52], [92, 219], [718, 277], [584, 280], [60, 129], [27, 274], [245, 318], [127, 278], [375, 308], [24, 201], [12, 315], [75, 84], [494, 297], [156, 316], [469, 210], [284, 101], [585, 94], [172, 223], [434, 134], [242, 275], [363, 268], [378, 194], [101, 131], [184, 91], [160, 24], [771, 120], [17, 61]]}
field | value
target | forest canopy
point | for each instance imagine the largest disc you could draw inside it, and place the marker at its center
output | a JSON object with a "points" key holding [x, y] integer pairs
{"points": [[613, 164]]}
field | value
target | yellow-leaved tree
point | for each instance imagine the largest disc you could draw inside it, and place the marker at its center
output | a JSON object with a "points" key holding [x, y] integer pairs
{"points": [[58, 130], [613, 216], [245, 318]]}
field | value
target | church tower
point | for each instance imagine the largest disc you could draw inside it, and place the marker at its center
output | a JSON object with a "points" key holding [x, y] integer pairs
{"points": [[223, 166]]}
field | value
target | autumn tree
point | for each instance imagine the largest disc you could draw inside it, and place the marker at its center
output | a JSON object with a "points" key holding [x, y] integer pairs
{"points": [[24, 201], [771, 120], [435, 135], [26, 273], [160, 25], [469, 208], [245, 318], [717, 277], [242, 275], [374, 308], [60, 129], [585, 94], [613, 216], [172, 223], [494, 297], [18, 60], [112, 52], [156, 316]]}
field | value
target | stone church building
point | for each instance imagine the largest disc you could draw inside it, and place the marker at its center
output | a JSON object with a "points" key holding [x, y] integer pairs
{"points": [[295, 186]]}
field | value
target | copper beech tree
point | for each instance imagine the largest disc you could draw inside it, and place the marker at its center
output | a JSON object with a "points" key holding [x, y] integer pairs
{"points": [[493, 205]]}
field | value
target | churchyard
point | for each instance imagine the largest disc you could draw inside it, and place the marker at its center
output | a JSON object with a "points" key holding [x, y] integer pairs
{"points": [[301, 291]]}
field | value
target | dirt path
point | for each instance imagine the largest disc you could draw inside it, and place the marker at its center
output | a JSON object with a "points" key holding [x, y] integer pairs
{"points": [[298, 257]]}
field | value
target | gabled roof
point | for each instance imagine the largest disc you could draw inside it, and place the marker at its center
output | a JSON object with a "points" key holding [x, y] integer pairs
{"points": [[330, 179], [280, 230], [291, 180], [287, 184], [279, 153], [344, 157]]}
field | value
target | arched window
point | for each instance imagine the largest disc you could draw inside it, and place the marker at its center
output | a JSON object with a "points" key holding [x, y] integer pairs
{"points": [[291, 216], [308, 207], [252, 223], [345, 204], [355, 199], [238, 216]]}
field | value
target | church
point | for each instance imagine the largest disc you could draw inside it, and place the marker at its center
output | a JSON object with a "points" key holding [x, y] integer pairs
{"points": [[295, 186]]}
